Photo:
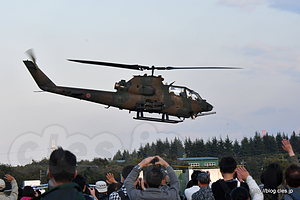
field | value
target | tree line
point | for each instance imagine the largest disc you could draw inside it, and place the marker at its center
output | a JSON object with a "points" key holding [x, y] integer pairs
{"points": [[255, 153], [214, 147]]}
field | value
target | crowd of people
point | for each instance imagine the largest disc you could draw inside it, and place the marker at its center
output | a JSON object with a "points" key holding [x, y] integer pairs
{"points": [[161, 182]]}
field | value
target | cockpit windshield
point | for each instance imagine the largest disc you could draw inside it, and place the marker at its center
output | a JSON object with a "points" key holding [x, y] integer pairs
{"points": [[185, 92]]}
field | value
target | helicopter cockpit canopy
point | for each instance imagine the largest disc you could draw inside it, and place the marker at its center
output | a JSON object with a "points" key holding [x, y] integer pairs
{"points": [[185, 92]]}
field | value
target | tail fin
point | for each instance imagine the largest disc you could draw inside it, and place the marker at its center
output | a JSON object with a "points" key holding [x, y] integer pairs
{"points": [[40, 78]]}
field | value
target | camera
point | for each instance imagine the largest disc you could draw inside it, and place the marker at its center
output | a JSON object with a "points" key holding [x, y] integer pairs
{"points": [[154, 161]]}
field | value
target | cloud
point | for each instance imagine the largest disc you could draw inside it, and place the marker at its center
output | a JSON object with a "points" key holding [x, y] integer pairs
{"points": [[275, 58], [250, 5], [286, 5], [270, 110], [244, 5]]}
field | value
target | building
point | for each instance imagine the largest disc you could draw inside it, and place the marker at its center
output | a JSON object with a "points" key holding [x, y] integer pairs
{"points": [[201, 161]]}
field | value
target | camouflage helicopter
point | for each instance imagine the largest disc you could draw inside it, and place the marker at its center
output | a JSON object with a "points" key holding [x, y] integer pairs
{"points": [[146, 93]]}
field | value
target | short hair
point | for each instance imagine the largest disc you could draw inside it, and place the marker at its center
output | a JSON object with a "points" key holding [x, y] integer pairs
{"points": [[80, 180], [194, 177], [113, 188], [203, 178], [126, 170], [28, 192], [154, 177], [239, 193], [227, 164], [62, 165], [292, 176]]}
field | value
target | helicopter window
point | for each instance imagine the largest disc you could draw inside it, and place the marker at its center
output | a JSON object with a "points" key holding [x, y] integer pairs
{"points": [[177, 91], [188, 94], [195, 96]]}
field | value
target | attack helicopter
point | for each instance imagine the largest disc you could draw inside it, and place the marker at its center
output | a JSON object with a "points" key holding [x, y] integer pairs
{"points": [[142, 93]]}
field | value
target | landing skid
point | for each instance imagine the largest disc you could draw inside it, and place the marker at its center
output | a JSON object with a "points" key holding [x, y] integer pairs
{"points": [[158, 120], [164, 119]]}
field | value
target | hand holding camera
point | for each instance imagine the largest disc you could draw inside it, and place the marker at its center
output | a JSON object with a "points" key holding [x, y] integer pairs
{"points": [[154, 160]]}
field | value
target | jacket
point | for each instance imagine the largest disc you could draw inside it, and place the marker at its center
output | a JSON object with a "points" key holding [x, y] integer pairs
{"points": [[68, 191], [14, 192], [171, 193]]}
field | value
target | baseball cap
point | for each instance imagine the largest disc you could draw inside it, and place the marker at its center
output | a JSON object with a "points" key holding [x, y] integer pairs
{"points": [[2, 184], [101, 186]]}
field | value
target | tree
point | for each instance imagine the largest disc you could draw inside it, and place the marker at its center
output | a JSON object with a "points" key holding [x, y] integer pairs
{"points": [[177, 148], [228, 148], [188, 147], [270, 145], [258, 144], [236, 148], [200, 148], [279, 139], [118, 156], [294, 140]]}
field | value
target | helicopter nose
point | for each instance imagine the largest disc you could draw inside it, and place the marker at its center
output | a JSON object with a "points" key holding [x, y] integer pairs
{"points": [[206, 107], [209, 107]]}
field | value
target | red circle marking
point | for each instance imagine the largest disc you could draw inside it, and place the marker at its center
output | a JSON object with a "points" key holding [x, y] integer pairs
{"points": [[88, 95]]}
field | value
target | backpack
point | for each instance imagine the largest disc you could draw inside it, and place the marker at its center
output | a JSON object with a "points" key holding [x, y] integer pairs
{"points": [[226, 189], [122, 195]]}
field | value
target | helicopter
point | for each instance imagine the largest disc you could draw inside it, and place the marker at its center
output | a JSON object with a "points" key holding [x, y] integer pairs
{"points": [[142, 93]]}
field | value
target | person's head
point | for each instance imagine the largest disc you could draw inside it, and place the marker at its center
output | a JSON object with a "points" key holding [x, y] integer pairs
{"points": [[125, 171], [203, 178], [239, 193], [62, 166], [227, 165], [101, 186], [154, 177], [292, 176], [28, 191], [194, 177], [113, 188], [273, 178], [80, 180]]}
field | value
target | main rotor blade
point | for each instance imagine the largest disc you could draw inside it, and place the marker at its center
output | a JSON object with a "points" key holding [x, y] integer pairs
{"points": [[202, 67], [126, 66]]}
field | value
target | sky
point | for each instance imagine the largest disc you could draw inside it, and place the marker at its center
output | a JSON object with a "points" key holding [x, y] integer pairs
{"points": [[261, 36]]}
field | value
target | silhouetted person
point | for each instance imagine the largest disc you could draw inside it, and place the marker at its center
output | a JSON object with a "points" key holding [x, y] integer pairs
{"points": [[62, 169]]}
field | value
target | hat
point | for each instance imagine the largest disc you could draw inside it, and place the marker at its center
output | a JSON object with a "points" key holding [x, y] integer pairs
{"points": [[101, 186], [203, 178], [2, 184]]}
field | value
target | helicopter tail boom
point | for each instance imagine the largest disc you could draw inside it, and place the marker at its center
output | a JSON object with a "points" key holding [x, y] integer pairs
{"points": [[40, 78]]}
